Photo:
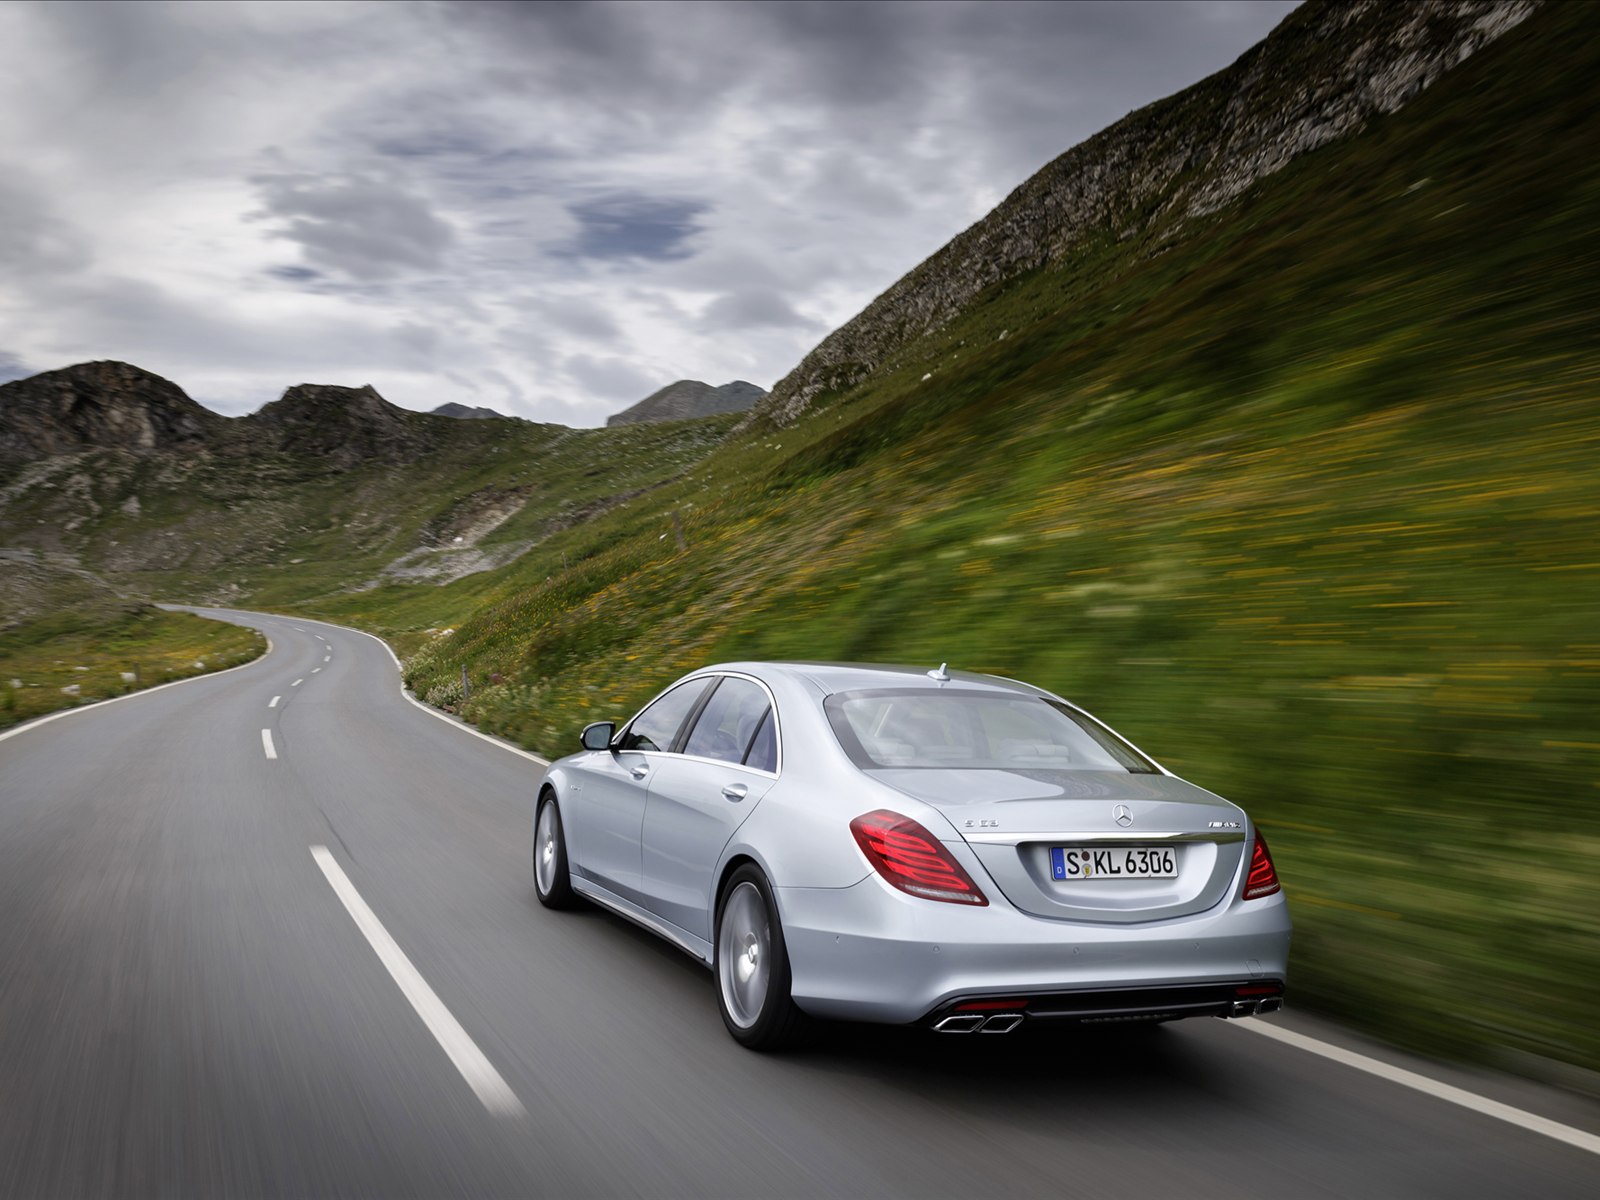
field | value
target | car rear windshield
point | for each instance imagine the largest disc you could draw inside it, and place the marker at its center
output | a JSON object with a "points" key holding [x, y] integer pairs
{"points": [[924, 727]]}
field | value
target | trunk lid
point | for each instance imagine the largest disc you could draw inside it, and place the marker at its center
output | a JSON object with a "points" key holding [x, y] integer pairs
{"points": [[1014, 819]]}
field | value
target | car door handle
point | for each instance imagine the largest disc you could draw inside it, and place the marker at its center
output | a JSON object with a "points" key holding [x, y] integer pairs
{"points": [[640, 771], [736, 791]]}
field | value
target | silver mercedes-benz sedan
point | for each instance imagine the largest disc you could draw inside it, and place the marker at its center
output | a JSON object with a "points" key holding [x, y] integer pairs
{"points": [[900, 845]]}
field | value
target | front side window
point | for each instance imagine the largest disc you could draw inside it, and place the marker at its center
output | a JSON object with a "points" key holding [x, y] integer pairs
{"points": [[657, 726], [728, 721], [922, 727]]}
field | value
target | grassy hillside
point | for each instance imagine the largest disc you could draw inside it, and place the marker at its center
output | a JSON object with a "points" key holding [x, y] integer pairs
{"points": [[221, 525], [1303, 501], [69, 639]]}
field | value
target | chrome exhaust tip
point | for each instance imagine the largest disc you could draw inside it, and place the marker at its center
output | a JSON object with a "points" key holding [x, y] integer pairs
{"points": [[1270, 1005], [1244, 1008], [1002, 1023], [960, 1023]]}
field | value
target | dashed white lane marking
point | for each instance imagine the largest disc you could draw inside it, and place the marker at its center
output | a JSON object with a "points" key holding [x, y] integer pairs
{"points": [[320, 638], [480, 1075], [327, 658], [299, 629], [297, 683], [266, 743], [412, 700], [315, 670], [1431, 1087], [273, 703]]}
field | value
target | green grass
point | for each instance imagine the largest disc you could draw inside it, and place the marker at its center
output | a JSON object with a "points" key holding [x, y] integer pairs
{"points": [[79, 655], [1304, 504]]}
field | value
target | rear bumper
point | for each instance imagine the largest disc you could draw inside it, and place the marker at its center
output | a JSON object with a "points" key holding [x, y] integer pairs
{"points": [[871, 953], [1235, 998]]}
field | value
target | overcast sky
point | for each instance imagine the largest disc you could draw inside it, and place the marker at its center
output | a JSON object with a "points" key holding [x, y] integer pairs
{"points": [[548, 209]]}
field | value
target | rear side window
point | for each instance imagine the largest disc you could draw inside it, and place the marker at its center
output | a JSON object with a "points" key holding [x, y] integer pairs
{"points": [[763, 754], [657, 726], [728, 721]]}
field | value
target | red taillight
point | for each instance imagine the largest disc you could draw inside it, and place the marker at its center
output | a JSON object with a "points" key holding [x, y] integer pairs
{"points": [[912, 859], [1263, 877]]}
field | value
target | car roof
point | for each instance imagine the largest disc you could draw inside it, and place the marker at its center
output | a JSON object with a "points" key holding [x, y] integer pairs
{"points": [[831, 677]]}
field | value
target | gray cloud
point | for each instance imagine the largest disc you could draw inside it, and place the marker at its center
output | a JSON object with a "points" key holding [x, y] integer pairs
{"points": [[12, 367], [32, 238], [365, 228], [578, 317], [633, 225], [755, 308], [612, 381]]}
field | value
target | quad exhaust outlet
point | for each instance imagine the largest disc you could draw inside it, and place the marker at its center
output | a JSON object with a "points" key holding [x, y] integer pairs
{"points": [[978, 1023]]}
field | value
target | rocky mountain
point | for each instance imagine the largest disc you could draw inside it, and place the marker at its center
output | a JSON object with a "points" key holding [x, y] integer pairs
{"points": [[118, 406], [100, 404], [1326, 71], [690, 398], [110, 469], [343, 426], [468, 412]]}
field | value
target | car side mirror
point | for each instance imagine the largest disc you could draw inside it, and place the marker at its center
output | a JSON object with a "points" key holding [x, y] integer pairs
{"points": [[598, 735]]}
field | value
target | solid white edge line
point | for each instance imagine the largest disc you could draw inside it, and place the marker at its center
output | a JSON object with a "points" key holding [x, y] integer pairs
{"points": [[1430, 1087], [479, 1073], [83, 708], [273, 703], [266, 743]]}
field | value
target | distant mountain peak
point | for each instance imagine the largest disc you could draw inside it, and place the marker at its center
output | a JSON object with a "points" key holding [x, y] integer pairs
{"points": [[468, 412], [690, 398]]}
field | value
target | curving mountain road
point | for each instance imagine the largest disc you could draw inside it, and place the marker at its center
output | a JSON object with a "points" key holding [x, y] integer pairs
{"points": [[195, 1001]]}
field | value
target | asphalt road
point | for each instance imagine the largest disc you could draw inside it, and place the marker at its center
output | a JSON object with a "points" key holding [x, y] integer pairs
{"points": [[189, 1008]]}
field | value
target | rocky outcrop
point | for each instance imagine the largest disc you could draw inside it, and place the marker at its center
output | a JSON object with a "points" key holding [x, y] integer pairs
{"points": [[94, 405], [34, 584], [690, 398], [342, 426], [1330, 67]]}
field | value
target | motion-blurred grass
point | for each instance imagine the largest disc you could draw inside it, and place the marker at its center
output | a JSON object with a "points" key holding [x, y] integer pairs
{"points": [[1302, 500]]}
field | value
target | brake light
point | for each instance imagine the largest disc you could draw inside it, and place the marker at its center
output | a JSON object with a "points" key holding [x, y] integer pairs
{"points": [[912, 859], [1263, 877]]}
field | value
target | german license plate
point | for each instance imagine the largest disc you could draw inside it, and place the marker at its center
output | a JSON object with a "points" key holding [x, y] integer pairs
{"points": [[1072, 864]]}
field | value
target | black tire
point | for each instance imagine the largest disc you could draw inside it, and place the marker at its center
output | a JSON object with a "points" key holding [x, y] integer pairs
{"points": [[770, 1020], [554, 886]]}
